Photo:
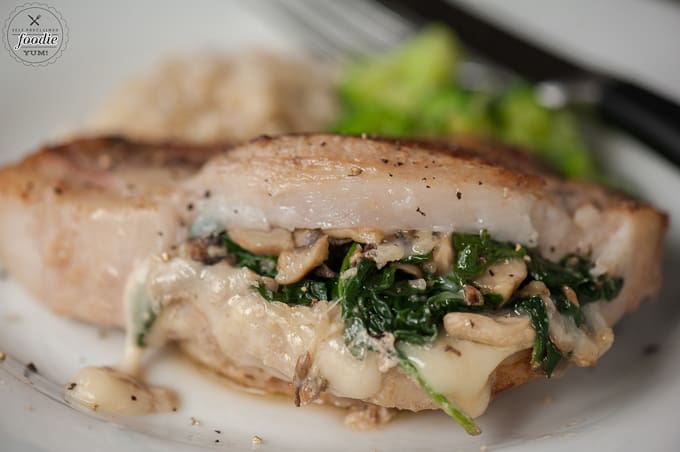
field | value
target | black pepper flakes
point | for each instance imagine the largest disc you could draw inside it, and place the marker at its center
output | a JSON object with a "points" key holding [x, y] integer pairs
{"points": [[217, 440], [30, 369], [58, 190], [385, 161], [207, 194], [133, 398], [479, 183], [190, 206], [427, 186], [459, 195], [420, 211], [72, 386], [219, 432], [390, 174], [650, 349]]}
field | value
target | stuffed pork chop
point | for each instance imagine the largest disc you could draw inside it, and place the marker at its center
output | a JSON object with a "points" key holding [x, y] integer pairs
{"points": [[390, 274]]}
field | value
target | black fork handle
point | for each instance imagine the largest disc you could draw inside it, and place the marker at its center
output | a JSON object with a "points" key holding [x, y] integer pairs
{"points": [[645, 115], [650, 118]]}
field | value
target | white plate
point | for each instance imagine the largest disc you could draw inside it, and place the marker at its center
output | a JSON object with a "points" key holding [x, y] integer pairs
{"points": [[628, 402]]}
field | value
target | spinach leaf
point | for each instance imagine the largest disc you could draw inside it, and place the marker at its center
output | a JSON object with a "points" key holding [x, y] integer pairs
{"points": [[262, 265], [417, 258], [305, 292], [384, 301], [376, 301], [574, 271], [545, 354], [475, 253]]}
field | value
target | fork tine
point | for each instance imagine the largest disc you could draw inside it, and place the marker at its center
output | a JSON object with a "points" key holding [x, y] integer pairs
{"points": [[379, 20], [311, 38], [316, 15], [337, 29], [361, 25]]}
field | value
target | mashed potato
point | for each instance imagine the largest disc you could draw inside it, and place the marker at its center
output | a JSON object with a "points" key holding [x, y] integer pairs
{"points": [[210, 98]]}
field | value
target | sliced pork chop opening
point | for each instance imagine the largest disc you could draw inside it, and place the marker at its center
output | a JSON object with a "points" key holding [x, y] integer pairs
{"points": [[394, 273], [362, 313]]}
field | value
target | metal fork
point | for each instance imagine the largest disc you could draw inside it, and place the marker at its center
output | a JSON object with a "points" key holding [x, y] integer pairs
{"points": [[337, 30]]}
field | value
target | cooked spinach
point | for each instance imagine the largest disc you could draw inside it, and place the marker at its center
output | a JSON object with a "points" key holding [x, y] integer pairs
{"points": [[143, 316], [378, 301], [574, 271], [260, 264], [305, 292], [475, 253], [545, 354], [386, 301]]}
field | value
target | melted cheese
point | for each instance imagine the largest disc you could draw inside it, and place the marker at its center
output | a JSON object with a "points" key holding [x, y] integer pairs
{"points": [[460, 369], [108, 389], [348, 376], [252, 332], [217, 312]]}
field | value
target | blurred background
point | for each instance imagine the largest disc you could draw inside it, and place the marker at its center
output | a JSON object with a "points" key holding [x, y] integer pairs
{"points": [[226, 71]]}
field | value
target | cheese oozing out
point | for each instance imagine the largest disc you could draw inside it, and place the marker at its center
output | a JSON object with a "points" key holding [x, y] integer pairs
{"points": [[217, 304]]}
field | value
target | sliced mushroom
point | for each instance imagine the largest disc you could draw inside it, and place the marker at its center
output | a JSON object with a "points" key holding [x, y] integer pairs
{"points": [[534, 288], [271, 242], [442, 255], [411, 269], [499, 331], [294, 264], [361, 235], [423, 242], [472, 296], [503, 278], [305, 237], [584, 345], [385, 253]]}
